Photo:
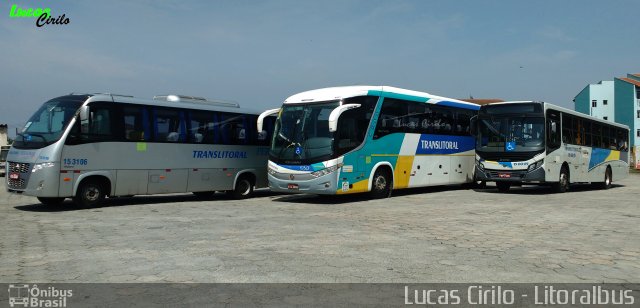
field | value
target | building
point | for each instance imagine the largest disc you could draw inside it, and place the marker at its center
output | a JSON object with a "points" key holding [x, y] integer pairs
{"points": [[597, 100], [4, 137], [482, 101], [616, 100]]}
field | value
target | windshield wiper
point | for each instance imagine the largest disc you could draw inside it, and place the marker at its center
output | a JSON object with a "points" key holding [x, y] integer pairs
{"points": [[493, 129]]}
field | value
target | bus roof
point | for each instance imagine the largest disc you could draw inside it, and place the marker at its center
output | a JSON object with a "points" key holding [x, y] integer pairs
{"points": [[187, 102], [338, 93], [562, 109]]}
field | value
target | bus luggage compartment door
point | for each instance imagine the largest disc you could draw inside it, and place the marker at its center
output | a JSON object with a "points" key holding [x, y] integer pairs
{"points": [[131, 182], [167, 181]]}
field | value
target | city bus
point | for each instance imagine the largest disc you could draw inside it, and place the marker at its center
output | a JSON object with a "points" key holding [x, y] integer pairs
{"points": [[91, 146], [540, 143], [374, 139]]}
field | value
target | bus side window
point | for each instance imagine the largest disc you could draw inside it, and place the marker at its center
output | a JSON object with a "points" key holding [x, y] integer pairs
{"points": [[607, 141], [463, 122], [168, 125], [135, 124], [264, 138], [567, 134], [586, 132], [553, 130], [391, 118], [100, 124], [622, 138], [200, 127], [596, 130]]}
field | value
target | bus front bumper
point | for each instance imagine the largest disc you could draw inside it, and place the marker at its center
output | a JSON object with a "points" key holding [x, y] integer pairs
{"points": [[518, 176], [323, 185], [39, 180]]}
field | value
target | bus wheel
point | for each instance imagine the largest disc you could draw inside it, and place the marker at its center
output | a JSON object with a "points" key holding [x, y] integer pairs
{"points": [[90, 193], [243, 189], [563, 181], [503, 186], [50, 201], [478, 184], [381, 186], [607, 179]]}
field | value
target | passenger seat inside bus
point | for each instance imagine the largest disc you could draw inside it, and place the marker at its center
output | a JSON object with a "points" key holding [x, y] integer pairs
{"points": [[173, 137], [198, 137]]}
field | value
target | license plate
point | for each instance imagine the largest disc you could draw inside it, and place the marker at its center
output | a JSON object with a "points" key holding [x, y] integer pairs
{"points": [[504, 175], [292, 186], [14, 175]]}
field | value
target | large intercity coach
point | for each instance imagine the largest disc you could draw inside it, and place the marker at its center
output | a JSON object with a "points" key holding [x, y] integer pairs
{"points": [[88, 146], [540, 143], [369, 139]]}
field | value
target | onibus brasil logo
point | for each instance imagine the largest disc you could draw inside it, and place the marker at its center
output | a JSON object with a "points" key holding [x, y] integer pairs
{"points": [[23, 295], [43, 15]]}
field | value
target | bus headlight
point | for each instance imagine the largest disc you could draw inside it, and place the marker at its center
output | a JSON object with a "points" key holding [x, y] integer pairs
{"points": [[326, 171], [271, 171], [535, 166], [37, 167], [480, 165]]}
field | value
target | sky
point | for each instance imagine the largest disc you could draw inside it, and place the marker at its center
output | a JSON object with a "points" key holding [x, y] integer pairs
{"points": [[260, 52]]}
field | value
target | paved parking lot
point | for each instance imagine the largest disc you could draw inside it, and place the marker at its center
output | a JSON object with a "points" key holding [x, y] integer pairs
{"points": [[443, 234]]}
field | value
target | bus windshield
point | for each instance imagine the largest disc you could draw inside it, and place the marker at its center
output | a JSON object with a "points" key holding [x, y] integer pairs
{"points": [[302, 133], [48, 123], [510, 133]]}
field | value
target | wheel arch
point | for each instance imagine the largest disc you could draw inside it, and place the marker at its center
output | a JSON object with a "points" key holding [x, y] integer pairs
{"points": [[383, 164], [251, 173], [104, 176]]}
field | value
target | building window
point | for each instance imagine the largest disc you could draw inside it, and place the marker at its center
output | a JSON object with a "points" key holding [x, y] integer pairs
{"points": [[605, 118], [638, 133], [594, 103], [638, 115], [605, 102]]}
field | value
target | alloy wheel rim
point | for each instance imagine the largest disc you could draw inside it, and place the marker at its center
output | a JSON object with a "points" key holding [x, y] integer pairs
{"points": [[92, 193], [245, 187], [381, 183]]}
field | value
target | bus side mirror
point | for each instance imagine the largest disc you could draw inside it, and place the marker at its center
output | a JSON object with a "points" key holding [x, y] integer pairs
{"points": [[84, 119], [474, 125], [264, 115], [335, 114], [262, 135]]}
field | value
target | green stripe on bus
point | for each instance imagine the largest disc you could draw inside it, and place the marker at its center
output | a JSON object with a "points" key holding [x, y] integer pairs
{"points": [[398, 96]]}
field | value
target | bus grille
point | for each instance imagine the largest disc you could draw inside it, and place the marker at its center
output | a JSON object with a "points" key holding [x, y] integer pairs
{"points": [[17, 184], [19, 167], [507, 156], [513, 174], [24, 169]]}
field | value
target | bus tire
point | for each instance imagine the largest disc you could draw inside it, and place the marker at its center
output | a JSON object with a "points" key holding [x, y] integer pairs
{"points": [[563, 180], [503, 186], [607, 179], [91, 192], [51, 200], [478, 184], [381, 184], [243, 188]]}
